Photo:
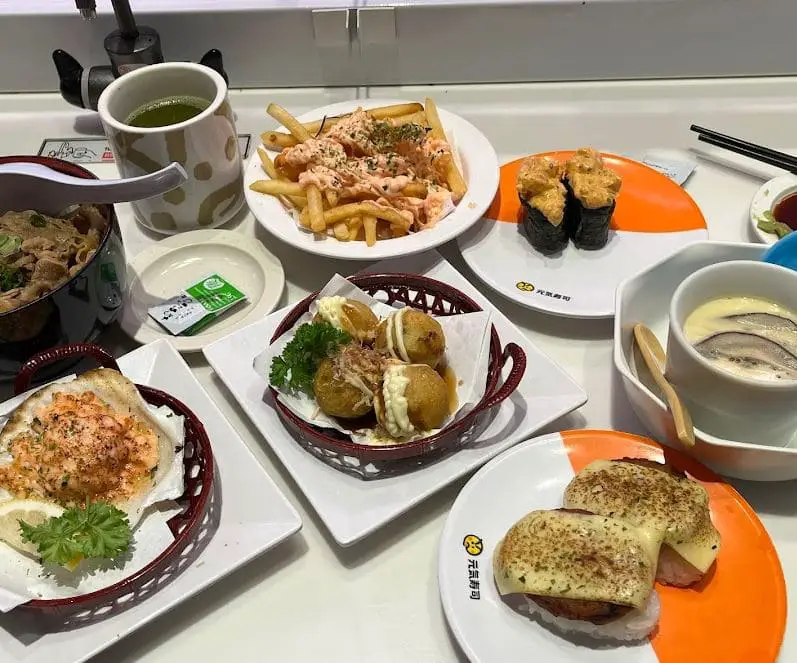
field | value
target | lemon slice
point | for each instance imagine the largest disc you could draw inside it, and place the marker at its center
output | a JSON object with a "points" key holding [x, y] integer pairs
{"points": [[33, 512]]}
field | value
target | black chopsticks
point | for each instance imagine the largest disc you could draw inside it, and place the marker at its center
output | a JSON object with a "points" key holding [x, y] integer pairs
{"points": [[757, 152]]}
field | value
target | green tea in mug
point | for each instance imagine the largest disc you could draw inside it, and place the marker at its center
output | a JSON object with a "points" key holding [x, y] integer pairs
{"points": [[166, 111]]}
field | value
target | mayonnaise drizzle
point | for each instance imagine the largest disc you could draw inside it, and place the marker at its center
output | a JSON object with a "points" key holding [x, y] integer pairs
{"points": [[394, 334], [331, 309], [397, 421]]}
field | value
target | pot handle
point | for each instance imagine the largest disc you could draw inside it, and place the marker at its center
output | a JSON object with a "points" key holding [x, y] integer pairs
{"points": [[30, 367], [515, 352]]}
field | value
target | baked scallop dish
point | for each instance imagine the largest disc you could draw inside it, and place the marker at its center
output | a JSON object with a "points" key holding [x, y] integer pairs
{"points": [[80, 463]]}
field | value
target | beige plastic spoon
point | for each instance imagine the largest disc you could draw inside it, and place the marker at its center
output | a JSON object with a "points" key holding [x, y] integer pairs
{"points": [[655, 359]]}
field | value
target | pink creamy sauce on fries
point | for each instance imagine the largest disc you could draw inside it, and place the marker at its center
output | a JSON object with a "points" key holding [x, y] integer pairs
{"points": [[345, 175]]}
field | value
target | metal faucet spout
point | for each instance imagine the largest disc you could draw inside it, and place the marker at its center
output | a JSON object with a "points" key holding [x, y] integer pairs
{"points": [[125, 19]]}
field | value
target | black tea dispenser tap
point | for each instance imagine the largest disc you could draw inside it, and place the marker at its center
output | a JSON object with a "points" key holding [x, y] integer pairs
{"points": [[128, 47]]}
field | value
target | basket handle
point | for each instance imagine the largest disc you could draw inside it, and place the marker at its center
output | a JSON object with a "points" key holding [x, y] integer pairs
{"points": [[30, 367], [515, 352]]}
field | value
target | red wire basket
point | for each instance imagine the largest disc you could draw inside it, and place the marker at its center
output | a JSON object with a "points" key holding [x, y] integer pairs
{"points": [[372, 462], [199, 472]]}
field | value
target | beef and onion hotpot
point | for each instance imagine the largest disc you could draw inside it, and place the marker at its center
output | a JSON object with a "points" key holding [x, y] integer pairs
{"points": [[61, 278]]}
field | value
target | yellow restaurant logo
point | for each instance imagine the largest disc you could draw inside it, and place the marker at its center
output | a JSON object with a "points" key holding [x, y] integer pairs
{"points": [[473, 545], [524, 286]]}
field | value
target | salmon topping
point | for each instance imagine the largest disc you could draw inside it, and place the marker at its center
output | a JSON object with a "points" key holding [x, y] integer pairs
{"points": [[78, 447]]}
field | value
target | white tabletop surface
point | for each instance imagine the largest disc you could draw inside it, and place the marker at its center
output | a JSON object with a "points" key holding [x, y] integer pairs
{"points": [[309, 600]]}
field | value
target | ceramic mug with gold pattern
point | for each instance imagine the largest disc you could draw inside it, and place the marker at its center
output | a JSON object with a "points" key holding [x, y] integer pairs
{"points": [[205, 144]]}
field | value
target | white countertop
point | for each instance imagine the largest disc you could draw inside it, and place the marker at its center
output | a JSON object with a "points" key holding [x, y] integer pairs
{"points": [[309, 600]]}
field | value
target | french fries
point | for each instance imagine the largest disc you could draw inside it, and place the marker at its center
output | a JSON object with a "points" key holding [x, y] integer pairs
{"points": [[277, 188], [361, 208], [402, 113], [332, 197], [455, 180], [341, 231], [354, 224], [369, 224], [289, 122], [315, 209], [276, 140], [415, 190], [297, 202]]}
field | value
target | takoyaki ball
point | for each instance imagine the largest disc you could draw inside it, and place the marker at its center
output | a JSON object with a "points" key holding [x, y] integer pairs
{"points": [[344, 384], [349, 315], [412, 336], [413, 399]]}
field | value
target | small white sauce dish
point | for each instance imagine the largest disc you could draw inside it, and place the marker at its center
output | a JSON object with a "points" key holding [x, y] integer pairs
{"points": [[166, 268], [646, 298], [765, 199]]}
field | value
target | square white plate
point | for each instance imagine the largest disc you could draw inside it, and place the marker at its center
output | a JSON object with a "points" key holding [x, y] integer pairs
{"points": [[350, 507], [247, 515]]}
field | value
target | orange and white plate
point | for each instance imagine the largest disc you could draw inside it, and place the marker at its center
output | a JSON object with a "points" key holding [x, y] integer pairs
{"points": [[654, 217], [738, 613]]}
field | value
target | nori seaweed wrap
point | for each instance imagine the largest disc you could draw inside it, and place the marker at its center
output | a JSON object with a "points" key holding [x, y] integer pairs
{"points": [[591, 198], [543, 197]]}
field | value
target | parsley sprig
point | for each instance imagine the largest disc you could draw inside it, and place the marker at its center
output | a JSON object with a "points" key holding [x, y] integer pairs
{"points": [[99, 530], [296, 367]]}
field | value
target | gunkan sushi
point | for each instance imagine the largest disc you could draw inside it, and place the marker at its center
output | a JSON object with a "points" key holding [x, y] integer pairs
{"points": [[591, 197], [543, 196]]}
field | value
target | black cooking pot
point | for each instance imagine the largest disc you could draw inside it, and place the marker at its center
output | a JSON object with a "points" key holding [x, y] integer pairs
{"points": [[78, 310]]}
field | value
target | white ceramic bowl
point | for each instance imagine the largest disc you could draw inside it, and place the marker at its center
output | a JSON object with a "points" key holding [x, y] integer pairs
{"points": [[646, 298], [721, 403], [768, 195]]}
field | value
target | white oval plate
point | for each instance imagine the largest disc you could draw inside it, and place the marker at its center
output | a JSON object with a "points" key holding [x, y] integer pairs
{"points": [[174, 263], [764, 200], [533, 475], [480, 170]]}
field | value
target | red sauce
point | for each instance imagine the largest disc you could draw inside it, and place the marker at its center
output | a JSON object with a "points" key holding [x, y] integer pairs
{"points": [[786, 211]]}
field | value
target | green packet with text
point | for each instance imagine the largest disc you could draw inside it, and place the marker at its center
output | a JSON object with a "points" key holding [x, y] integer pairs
{"points": [[197, 306]]}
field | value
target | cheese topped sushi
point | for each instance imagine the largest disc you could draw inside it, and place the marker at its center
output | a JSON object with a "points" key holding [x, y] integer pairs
{"points": [[543, 196], [582, 572], [592, 190], [647, 494]]}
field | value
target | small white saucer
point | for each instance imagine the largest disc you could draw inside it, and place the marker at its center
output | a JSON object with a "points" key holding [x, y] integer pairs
{"points": [[165, 269], [765, 199]]}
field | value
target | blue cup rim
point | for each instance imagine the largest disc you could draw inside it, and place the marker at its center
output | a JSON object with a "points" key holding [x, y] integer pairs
{"points": [[783, 252]]}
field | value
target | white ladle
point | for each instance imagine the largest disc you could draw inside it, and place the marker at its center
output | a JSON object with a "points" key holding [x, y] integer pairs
{"points": [[54, 192]]}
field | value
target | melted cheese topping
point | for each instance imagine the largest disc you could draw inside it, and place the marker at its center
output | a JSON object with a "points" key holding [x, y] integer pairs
{"points": [[330, 309], [79, 447], [577, 556], [394, 385], [394, 335], [675, 506]]}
